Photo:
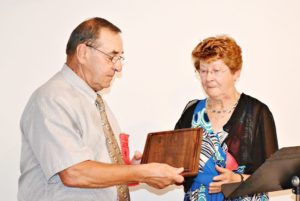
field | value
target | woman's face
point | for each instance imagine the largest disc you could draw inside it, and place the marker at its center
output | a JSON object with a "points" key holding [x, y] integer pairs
{"points": [[217, 80]]}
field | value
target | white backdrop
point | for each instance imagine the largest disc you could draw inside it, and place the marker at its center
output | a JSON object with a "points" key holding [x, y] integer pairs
{"points": [[158, 78]]}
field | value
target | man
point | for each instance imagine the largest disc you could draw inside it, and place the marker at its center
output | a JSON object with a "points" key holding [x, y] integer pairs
{"points": [[68, 150]]}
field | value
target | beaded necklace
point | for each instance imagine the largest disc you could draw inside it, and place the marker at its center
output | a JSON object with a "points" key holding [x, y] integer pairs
{"points": [[222, 111]]}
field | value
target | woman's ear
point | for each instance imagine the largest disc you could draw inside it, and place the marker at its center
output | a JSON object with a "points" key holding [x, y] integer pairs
{"points": [[236, 75], [81, 53]]}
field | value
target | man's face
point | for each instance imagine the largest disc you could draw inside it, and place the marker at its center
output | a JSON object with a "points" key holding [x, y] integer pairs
{"points": [[98, 67]]}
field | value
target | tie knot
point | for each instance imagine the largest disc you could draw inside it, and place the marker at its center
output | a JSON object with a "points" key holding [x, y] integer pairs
{"points": [[100, 103], [99, 100]]}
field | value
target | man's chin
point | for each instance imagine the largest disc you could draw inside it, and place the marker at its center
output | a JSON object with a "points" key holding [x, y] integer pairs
{"points": [[106, 85]]}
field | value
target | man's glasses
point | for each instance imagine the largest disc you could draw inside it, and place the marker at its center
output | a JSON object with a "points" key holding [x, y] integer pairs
{"points": [[113, 59]]}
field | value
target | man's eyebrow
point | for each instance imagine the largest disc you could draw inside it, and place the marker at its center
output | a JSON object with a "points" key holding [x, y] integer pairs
{"points": [[116, 52]]}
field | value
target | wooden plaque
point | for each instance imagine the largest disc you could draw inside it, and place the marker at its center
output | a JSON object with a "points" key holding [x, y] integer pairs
{"points": [[178, 148]]}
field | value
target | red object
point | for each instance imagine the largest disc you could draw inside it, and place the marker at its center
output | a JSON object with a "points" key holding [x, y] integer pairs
{"points": [[125, 151], [124, 147], [231, 163]]}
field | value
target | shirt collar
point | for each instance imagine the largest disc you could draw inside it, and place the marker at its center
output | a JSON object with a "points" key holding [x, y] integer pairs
{"points": [[78, 83]]}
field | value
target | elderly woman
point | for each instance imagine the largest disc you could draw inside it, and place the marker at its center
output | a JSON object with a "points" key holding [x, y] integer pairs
{"points": [[239, 130]]}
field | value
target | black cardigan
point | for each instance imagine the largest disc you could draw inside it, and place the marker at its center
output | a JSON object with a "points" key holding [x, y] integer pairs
{"points": [[251, 133]]}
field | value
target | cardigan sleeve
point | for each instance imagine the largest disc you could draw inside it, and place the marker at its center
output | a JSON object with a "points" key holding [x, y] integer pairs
{"points": [[185, 120], [268, 132], [265, 141]]}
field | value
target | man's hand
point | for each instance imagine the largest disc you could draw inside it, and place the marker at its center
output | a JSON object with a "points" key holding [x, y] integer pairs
{"points": [[162, 175]]}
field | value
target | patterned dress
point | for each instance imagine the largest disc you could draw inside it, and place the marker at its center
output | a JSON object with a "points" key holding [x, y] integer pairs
{"points": [[213, 152]]}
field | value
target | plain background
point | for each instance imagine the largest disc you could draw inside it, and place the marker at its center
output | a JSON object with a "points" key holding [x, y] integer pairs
{"points": [[158, 78]]}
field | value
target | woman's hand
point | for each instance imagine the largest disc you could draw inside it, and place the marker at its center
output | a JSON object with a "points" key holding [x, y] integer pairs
{"points": [[226, 176], [136, 159]]}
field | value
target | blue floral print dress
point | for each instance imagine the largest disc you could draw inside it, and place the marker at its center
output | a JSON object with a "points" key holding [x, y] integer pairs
{"points": [[213, 152]]}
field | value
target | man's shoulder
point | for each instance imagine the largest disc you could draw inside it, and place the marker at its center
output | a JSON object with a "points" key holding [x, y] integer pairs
{"points": [[53, 90], [55, 87]]}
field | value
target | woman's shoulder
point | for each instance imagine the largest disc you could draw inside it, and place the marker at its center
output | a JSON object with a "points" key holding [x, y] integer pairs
{"points": [[186, 115], [191, 103], [248, 100]]}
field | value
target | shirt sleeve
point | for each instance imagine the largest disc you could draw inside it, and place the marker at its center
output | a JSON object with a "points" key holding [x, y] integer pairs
{"points": [[54, 136]]}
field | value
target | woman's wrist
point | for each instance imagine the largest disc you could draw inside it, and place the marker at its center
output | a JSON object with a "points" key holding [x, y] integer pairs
{"points": [[241, 177], [237, 177]]}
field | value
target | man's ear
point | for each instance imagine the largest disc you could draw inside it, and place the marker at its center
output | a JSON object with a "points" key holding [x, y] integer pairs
{"points": [[81, 53]]}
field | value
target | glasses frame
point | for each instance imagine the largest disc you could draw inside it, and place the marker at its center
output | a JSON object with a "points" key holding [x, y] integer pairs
{"points": [[214, 72], [113, 59]]}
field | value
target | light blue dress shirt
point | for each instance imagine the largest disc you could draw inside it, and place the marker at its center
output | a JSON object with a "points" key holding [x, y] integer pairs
{"points": [[61, 126]]}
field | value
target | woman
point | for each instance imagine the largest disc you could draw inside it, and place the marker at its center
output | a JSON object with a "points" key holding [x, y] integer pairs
{"points": [[239, 130]]}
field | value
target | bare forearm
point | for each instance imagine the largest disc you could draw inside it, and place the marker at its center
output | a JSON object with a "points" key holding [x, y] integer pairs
{"points": [[92, 174]]}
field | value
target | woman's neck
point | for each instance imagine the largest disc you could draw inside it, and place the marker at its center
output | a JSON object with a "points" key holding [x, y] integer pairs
{"points": [[223, 103]]}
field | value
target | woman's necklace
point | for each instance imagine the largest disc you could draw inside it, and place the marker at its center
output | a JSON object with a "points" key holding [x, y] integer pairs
{"points": [[222, 110]]}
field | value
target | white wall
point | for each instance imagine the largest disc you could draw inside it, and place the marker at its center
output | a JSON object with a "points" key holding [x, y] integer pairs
{"points": [[158, 78]]}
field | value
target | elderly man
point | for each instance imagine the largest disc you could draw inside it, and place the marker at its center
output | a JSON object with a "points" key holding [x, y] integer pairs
{"points": [[70, 146]]}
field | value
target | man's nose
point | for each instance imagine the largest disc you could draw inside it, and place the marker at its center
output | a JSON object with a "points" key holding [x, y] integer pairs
{"points": [[118, 66]]}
